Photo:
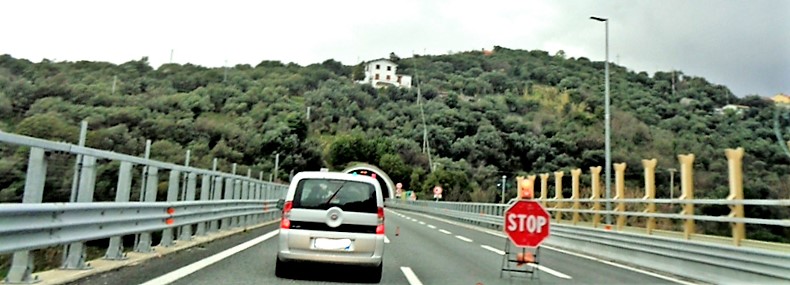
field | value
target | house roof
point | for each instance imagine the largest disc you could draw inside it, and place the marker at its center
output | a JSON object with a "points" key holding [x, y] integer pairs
{"points": [[381, 59]]}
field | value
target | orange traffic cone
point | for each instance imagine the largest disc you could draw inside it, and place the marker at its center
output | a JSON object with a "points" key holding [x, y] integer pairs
{"points": [[397, 231]]}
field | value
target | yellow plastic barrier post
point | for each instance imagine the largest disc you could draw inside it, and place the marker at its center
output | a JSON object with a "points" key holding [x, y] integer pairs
{"points": [[735, 163], [687, 187], [558, 194], [544, 188], [650, 192], [575, 194], [596, 194], [619, 182]]}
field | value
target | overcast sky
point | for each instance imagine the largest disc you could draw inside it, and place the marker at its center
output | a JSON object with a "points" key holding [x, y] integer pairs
{"points": [[744, 45]]}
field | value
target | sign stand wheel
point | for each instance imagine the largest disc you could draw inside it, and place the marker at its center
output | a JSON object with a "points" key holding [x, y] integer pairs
{"points": [[520, 260]]}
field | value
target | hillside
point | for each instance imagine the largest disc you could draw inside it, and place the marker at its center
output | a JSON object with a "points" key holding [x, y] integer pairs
{"points": [[512, 112]]}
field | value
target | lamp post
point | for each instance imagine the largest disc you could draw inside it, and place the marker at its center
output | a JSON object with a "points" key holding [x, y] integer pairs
{"points": [[608, 124], [672, 183], [502, 199]]}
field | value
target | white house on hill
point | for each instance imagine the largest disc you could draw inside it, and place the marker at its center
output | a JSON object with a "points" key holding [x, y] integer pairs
{"points": [[383, 72]]}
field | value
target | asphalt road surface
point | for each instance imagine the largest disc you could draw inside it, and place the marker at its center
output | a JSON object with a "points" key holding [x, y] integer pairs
{"points": [[425, 250]]}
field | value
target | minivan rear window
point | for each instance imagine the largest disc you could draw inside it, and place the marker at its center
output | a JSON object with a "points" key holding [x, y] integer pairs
{"points": [[323, 194]]}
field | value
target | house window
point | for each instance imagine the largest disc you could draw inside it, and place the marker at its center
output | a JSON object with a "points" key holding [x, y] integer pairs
{"points": [[388, 78], [399, 77], [377, 66], [389, 68], [377, 76]]}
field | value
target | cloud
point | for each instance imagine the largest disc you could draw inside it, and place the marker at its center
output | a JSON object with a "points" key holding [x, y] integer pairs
{"points": [[741, 44]]}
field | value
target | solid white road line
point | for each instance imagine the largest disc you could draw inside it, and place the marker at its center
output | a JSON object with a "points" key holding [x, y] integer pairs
{"points": [[192, 268], [410, 276], [550, 271], [445, 232], [463, 238], [432, 226], [656, 275], [386, 240], [493, 249]]}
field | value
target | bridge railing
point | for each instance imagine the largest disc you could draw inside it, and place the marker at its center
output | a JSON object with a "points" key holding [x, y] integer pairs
{"points": [[577, 225], [197, 202], [644, 214]]}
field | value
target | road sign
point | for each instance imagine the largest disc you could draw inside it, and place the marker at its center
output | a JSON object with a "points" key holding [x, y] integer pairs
{"points": [[437, 192], [527, 223]]}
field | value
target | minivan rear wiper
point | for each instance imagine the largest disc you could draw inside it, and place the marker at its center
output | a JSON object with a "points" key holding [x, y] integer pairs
{"points": [[334, 194]]}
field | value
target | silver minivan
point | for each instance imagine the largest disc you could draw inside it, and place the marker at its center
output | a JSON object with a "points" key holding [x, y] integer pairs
{"points": [[330, 217]]}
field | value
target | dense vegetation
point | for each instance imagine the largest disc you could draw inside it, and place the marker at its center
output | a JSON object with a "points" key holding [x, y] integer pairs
{"points": [[509, 113]]}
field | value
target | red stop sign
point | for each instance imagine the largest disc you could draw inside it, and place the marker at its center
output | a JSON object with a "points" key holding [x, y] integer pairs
{"points": [[527, 223]]}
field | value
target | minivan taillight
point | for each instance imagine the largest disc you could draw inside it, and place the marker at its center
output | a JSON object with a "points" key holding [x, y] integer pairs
{"points": [[285, 222], [380, 226]]}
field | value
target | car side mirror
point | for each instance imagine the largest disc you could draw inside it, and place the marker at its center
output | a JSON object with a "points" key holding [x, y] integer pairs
{"points": [[280, 204]]}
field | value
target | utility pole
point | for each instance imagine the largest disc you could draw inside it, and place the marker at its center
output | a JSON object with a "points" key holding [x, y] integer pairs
{"points": [[276, 165], [114, 79], [502, 198], [426, 146], [308, 113], [171, 55], [672, 183], [225, 77]]}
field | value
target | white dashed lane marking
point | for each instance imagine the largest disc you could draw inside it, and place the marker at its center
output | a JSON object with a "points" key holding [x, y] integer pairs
{"points": [[463, 238]]}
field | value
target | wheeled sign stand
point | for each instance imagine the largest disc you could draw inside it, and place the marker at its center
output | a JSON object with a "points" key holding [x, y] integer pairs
{"points": [[520, 260]]}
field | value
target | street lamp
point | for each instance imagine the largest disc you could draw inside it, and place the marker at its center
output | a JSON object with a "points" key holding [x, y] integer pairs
{"points": [[502, 199], [608, 124]]}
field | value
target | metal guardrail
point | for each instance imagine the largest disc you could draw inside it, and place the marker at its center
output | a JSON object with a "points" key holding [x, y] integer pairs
{"points": [[220, 202], [700, 260], [33, 226]]}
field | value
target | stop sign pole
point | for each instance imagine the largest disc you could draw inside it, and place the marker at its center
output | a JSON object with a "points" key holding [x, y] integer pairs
{"points": [[526, 223]]}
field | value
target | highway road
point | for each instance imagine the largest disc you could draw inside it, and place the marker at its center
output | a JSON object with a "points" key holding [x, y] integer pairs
{"points": [[426, 251]]}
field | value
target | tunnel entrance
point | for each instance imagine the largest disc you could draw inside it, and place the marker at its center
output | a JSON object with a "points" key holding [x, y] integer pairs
{"points": [[387, 186]]}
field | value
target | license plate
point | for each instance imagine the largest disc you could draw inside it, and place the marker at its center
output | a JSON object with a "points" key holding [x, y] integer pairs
{"points": [[333, 244]]}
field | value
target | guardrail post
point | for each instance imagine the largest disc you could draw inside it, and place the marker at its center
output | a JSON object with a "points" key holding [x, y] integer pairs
{"points": [[256, 218], [22, 265], [236, 221], [558, 195], [186, 230], [687, 187], [172, 196], [124, 189], [245, 194], [150, 190], [575, 193], [596, 194], [619, 173], [214, 224], [735, 163], [75, 252], [205, 188], [544, 188], [228, 196], [650, 192]]}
